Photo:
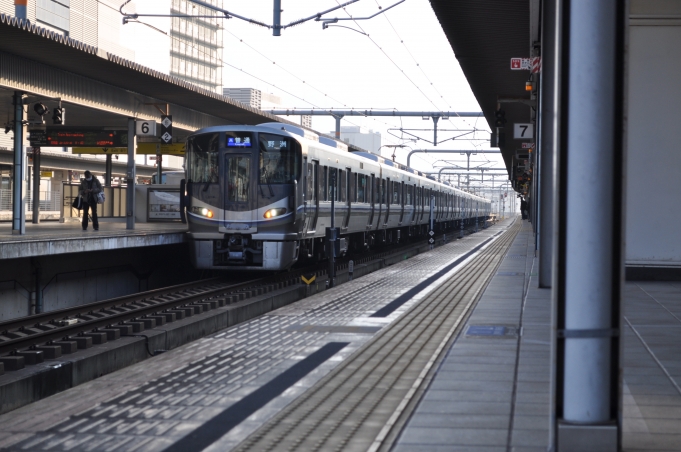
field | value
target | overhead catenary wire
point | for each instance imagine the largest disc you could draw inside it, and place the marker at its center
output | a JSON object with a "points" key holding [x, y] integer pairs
{"points": [[306, 82]]}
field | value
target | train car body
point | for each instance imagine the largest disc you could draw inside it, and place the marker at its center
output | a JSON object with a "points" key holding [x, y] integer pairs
{"points": [[260, 197]]}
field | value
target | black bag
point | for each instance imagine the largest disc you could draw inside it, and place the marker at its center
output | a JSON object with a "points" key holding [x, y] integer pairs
{"points": [[77, 202]]}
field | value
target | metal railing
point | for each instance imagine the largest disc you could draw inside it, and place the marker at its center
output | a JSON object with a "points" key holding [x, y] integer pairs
{"points": [[50, 201]]}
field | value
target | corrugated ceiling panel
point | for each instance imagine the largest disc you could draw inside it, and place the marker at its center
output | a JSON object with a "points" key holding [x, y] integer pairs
{"points": [[485, 35]]}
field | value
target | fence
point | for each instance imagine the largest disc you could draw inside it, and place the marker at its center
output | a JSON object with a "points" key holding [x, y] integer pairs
{"points": [[50, 201], [113, 207]]}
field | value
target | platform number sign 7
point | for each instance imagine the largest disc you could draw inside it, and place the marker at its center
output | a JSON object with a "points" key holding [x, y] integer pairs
{"points": [[523, 131]]}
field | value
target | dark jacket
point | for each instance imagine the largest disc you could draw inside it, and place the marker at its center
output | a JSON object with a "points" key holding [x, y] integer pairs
{"points": [[90, 198]]}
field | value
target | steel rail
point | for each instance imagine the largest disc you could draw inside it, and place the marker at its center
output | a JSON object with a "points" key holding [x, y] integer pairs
{"points": [[46, 317], [28, 332], [111, 319]]}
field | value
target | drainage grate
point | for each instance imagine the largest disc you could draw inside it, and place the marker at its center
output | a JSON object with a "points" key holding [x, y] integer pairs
{"points": [[509, 273], [516, 256]]}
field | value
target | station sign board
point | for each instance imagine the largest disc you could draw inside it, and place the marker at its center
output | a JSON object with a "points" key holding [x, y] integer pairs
{"points": [[167, 129], [523, 131], [145, 128], [62, 136], [142, 149]]}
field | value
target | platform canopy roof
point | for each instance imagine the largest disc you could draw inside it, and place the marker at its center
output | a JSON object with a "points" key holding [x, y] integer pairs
{"points": [[485, 35], [36, 60]]}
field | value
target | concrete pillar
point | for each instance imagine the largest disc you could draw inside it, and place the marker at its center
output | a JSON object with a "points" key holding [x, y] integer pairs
{"points": [[590, 265], [546, 143], [109, 170], [18, 188], [36, 186], [130, 176]]}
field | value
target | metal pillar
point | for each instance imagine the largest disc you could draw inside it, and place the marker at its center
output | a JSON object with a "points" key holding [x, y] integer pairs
{"points": [[463, 214], [546, 143], [130, 176], [276, 19], [36, 186], [20, 9], [159, 168], [435, 120], [109, 170], [331, 233], [338, 126], [18, 189], [590, 257]]}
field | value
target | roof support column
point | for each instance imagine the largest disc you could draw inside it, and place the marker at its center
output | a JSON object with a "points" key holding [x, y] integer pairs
{"points": [[18, 187], [547, 145], [130, 175], [590, 248]]}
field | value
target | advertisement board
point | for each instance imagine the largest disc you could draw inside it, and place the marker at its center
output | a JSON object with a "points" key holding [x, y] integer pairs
{"points": [[163, 204]]}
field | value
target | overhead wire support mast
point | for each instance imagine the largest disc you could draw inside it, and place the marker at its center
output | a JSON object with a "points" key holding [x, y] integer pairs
{"points": [[276, 27], [339, 114], [448, 151]]}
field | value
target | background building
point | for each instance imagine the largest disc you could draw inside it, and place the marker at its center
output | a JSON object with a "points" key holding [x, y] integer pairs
{"points": [[360, 137], [196, 44], [263, 101], [187, 48]]}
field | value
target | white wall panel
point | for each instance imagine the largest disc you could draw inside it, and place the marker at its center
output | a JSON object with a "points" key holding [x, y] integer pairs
{"points": [[653, 216], [7, 7]]}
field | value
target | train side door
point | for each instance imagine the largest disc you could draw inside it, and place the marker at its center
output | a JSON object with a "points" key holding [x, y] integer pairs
{"points": [[371, 189], [346, 193], [311, 197], [386, 198], [401, 197]]}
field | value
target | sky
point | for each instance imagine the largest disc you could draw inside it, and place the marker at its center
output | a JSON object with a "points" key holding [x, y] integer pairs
{"points": [[398, 60]]}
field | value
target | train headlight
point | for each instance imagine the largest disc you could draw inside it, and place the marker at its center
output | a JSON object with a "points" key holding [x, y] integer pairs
{"points": [[275, 212], [203, 211]]}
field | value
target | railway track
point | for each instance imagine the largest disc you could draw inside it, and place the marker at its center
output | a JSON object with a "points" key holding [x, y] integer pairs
{"points": [[358, 405], [48, 335]]}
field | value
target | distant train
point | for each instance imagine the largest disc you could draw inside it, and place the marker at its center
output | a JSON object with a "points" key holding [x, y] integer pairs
{"points": [[259, 197]]}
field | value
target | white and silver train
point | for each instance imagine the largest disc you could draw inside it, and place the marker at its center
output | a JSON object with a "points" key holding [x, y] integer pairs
{"points": [[259, 198]]}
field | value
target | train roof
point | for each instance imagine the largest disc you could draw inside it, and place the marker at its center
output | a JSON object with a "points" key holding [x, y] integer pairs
{"points": [[334, 145]]}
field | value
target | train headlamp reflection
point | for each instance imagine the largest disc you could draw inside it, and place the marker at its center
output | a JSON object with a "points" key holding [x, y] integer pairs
{"points": [[203, 211], [275, 212]]}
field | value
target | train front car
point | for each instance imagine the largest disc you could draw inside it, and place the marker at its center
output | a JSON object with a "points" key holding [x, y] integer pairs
{"points": [[241, 198]]}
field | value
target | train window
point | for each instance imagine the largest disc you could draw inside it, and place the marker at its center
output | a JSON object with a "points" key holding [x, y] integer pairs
{"points": [[395, 192], [383, 191], [202, 158], [333, 193], [238, 176], [279, 159], [311, 183], [353, 187], [343, 186], [323, 185]]}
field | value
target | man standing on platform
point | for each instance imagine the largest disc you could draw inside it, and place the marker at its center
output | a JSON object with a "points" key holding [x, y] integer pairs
{"points": [[89, 188]]}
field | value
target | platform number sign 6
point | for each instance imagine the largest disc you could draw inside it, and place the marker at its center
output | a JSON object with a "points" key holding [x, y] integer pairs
{"points": [[523, 131], [145, 128]]}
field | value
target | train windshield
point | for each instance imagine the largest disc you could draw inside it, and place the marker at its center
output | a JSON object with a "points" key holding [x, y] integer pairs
{"points": [[238, 176], [202, 161], [279, 159]]}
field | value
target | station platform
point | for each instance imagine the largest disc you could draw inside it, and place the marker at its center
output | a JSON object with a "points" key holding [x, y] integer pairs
{"points": [[448, 350], [53, 238]]}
